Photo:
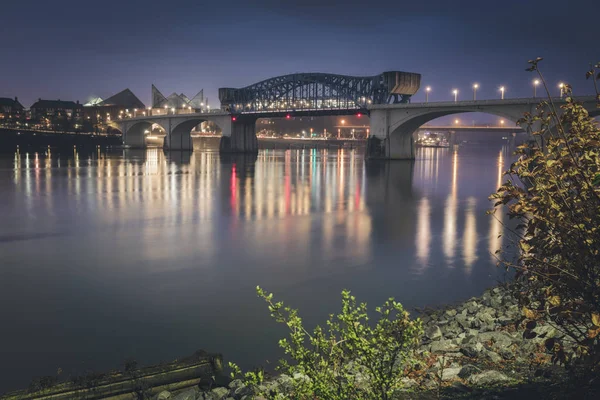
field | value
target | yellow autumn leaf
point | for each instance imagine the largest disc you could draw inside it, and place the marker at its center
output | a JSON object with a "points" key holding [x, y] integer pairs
{"points": [[592, 333], [596, 319], [554, 300], [529, 313]]}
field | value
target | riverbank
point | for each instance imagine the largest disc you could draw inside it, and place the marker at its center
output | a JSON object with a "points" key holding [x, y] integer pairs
{"points": [[472, 351], [28, 140], [475, 350]]}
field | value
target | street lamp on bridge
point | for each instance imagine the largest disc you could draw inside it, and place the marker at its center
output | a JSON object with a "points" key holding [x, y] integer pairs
{"points": [[502, 89], [427, 90], [535, 85], [475, 87], [455, 92], [562, 89]]}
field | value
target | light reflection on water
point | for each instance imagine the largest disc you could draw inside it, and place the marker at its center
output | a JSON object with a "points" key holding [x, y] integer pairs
{"points": [[151, 255]]}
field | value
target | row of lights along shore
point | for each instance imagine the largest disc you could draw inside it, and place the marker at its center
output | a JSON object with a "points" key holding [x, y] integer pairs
{"points": [[501, 89]]}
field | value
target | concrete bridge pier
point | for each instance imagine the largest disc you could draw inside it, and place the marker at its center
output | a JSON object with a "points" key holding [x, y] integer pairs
{"points": [[175, 141], [387, 141], [239, 136]]}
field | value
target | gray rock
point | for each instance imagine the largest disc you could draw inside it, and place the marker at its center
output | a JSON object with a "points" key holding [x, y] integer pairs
{"points": [[468, 370], [462, 321], [501, 339], [472, 307], [469, 351], [236, 383], [164, 395], [507, 354], [544, 332], [219, 393], [442, 346], [242, 391], [408, 383], [486, 317], [433, 332], [496, 302], [488, 377], [187, 395], [451, 313], [493, 356], [285, 382], [450, 373]]}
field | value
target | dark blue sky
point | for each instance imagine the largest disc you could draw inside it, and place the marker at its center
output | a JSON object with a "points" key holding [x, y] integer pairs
{"points": [[76, 50]]}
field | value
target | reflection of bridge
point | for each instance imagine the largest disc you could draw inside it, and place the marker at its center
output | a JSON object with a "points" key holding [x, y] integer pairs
{"points": [[393, 125]]}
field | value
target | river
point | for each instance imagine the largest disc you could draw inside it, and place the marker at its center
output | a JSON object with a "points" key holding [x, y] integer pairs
{"points": [[146, 255]]}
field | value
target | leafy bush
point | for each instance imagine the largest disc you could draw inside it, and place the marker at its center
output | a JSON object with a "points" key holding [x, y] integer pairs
{"points": [[349, 359], [558, 207]]}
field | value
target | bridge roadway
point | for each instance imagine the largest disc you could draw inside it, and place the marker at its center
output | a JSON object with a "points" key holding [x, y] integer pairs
{"points": [[391, 125]]}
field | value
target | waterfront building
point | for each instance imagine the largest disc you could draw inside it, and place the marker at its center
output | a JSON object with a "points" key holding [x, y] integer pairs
{"points": [[179, 102], [124, 104], [10, 108], [56, 108]]}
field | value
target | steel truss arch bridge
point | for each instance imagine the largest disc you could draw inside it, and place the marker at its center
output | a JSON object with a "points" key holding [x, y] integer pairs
{"points": [[319, 94]]}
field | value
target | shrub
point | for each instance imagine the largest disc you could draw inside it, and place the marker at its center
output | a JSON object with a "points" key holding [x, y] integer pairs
{"points": [[558, 206], [351, 358]]}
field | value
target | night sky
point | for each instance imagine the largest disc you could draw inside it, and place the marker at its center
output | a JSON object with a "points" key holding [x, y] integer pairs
{"points": [[76, 50]]}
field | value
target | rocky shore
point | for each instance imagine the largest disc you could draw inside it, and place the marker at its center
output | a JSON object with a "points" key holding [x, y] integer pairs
{"points": [[475, 350]]}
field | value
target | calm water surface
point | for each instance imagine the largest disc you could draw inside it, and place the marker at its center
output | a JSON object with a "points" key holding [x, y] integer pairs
{"points": [[145, 255]]}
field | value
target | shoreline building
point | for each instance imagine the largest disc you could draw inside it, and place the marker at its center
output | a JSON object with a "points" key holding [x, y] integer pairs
{"points": [[10, 109], [52, 108], [124, 104], [57, 114], [178, 103]]}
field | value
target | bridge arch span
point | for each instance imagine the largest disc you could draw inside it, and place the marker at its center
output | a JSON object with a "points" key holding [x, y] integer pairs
{"points": [[134, 135], [401, 141], [394, 128], [180, 137]]}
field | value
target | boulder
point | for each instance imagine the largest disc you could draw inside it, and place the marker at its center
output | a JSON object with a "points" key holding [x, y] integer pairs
{"points": [[488, 378], [408, 383], [219, 393], [433, 332], [493, 356], [451, 313], [187, 395], [501, 339], [236, 383], [449, 374], [164, 395], [441, 346], [468, 370]]}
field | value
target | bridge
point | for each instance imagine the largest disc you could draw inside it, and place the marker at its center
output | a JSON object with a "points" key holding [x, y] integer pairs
{"points": [[392, 125], [314, 94], [384, 97]]}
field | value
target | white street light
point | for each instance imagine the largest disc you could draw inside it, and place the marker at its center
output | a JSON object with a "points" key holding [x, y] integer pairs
{"points": [[562, 89], [427, 90], [475, 87], [502, 89], [455, 92], [535, 85]]}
